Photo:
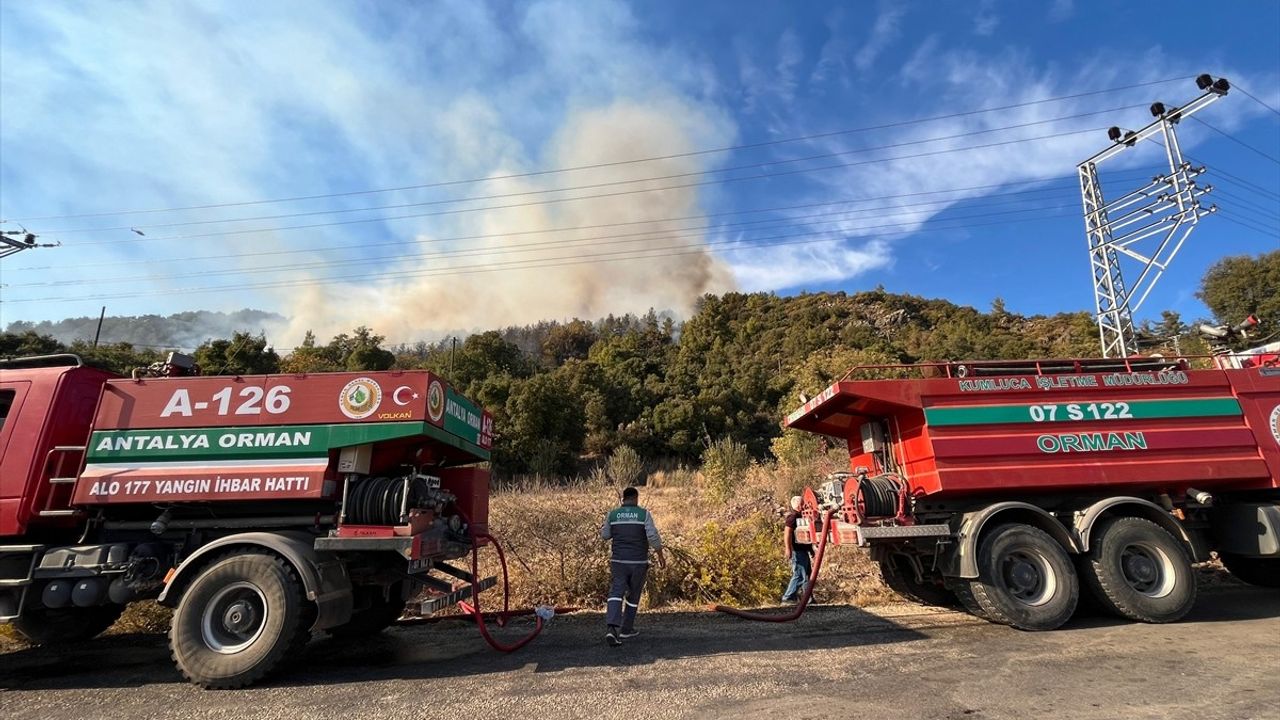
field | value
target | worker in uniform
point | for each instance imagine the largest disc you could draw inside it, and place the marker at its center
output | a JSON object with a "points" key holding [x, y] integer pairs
{"points": [[799, 555], [632, 532]]}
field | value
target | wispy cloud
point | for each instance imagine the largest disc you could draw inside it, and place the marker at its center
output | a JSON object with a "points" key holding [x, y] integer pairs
{"points": [[155, 104], [958, 79], [985, 20], [1061, 10], [885, 30], [771, 268]]}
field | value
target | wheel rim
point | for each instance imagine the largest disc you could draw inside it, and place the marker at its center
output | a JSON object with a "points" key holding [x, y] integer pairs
{"points": [[234, 618], [1147, 569], [1028, 577]]}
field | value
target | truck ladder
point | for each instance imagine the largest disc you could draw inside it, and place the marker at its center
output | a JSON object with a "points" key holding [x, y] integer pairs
{"points": [[59, 477], [17, 572]]}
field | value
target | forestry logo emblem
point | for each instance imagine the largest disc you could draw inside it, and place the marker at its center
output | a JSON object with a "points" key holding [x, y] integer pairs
{"points": [[1275, 423], [435, 401], [360, 398]]}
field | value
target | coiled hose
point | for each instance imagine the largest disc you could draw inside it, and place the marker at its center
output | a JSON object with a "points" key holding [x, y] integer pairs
{"points": [[808, 588]]}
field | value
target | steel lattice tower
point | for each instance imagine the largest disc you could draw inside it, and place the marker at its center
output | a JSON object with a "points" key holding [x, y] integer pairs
{"points": [[1148, 225]]}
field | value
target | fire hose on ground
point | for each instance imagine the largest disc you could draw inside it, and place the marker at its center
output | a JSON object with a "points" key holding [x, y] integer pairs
{"points": [[808, 588], [541, 613]]}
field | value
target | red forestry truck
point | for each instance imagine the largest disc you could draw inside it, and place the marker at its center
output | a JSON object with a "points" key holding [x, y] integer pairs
{"points": [[261, 508], [1013, 487]]}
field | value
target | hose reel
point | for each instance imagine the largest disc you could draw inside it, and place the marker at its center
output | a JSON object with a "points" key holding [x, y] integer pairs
{"points": [[387, 500], [879, 496]]}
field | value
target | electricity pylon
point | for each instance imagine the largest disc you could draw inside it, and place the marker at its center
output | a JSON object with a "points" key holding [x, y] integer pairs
{"points": [[1148, 225], [15, 241]]}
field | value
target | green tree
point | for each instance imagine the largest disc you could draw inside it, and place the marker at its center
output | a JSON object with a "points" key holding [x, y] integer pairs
{"points": [[1236, 287], [361, 350], [28, 343], [309, 357], [544, 410], [570, 341], [243, 354]]}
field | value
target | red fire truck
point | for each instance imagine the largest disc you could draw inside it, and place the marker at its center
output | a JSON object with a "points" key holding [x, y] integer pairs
{"points": [[261, 508], [1013, 487]]}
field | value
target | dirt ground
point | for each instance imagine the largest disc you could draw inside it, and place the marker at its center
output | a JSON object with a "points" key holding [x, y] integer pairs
{"points": [[836, 662]]}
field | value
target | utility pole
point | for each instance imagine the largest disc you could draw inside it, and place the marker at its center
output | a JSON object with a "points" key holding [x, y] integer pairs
{"points": [[1166, 209], [98, 333], [15, 241]]}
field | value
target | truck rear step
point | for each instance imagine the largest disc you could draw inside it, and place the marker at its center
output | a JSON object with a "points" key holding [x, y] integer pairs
{"points": [[453, 597]]}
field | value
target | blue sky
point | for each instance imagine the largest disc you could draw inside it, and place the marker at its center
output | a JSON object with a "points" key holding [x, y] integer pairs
{"points": [[457, 111]]}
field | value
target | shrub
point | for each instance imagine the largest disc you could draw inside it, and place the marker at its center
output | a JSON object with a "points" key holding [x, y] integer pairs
{"points": [[733, 563], [544, 461], [625, 465], [724, 463], [552, 539], [678, 477]]}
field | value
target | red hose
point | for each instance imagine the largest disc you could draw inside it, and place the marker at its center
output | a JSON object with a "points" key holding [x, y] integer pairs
{"points": [[808, 588], [474, 608]]}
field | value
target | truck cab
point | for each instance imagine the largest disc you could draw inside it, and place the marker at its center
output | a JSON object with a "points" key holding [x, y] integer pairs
{"points": [[46, 406]]}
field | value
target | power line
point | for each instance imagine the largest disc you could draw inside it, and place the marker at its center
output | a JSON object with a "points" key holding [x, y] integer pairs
{"points": [[1236, 86], [1230, 193], [506, 266], [596, 196], [780, 208], [1237, 140], [576, 244], [1250, 215], [1255, 228], [1251, 186], [1235, 202], [614, 183], [694, 153]]}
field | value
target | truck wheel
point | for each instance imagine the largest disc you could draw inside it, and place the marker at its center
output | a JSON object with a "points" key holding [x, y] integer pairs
{"points": [[1263, 572], [237, 620], [59, 626], [1025, 578], [900, 578], [1137, 570]]}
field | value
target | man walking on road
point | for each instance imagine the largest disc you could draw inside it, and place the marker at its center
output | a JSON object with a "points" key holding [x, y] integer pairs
{"points": [[798, 554], [632, 531]]}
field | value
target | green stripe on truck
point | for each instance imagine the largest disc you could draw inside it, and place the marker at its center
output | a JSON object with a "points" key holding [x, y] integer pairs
{"points": [[281, 441], [1082, 411]]}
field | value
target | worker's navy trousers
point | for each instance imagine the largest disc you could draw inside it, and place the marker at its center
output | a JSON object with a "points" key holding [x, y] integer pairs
{"points": [[624, 593]]}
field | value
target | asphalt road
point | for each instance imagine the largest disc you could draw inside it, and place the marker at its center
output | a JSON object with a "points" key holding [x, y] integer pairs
{"points": [[836, 662]]}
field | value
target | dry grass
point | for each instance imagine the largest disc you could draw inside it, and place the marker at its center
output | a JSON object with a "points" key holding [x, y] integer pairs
{"points": [[720, 549]]}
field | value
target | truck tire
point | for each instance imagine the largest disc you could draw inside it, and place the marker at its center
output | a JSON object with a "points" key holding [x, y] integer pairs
{"points": [[1263, 572], [902, 579], [1137, 570], [1025, 578], [963, 591], [238, 619], [59, 626]]}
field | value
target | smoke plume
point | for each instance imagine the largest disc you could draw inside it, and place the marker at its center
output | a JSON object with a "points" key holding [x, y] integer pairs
{"points": [[446, 293]]}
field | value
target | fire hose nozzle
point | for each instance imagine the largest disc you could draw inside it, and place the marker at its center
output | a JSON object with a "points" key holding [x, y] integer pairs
{"points": [[1200, 496]]}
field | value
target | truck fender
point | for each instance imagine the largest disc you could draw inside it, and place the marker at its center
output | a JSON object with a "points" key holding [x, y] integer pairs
{"points": [[963, 561], [323, 575], [1135, 507]]}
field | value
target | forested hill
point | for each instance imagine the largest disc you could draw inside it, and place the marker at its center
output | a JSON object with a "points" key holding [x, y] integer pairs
{"points": [[562, 391], [182, 330]]}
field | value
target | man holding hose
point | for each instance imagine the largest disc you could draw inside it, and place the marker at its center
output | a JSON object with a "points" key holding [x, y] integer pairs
{"points": [[798, 554], [633, 533]]}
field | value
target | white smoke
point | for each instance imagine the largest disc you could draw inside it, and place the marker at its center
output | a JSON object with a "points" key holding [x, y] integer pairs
{"points": [[444, 293]]}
